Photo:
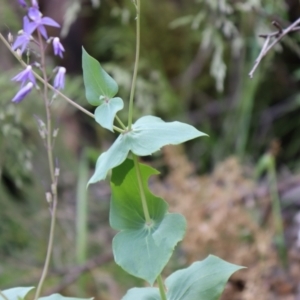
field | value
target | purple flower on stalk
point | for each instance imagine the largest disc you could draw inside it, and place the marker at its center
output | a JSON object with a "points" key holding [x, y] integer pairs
{"points": [[23, 92], [24, 76], [22, 3], [35, 4], [58, 47], [23, 40], [39, 21], [59, 80]]}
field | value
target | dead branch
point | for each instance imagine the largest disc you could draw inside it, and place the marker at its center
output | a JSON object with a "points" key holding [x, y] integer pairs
{"points": [[272, 39]]}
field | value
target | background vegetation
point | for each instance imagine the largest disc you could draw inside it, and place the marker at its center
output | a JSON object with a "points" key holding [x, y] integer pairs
{"points": [[195, 60]]}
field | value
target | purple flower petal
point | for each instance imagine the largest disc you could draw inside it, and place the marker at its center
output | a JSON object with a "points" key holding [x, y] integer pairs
{"points": [[59, 80], [24, 76], [22, 3], [49, 22], [58, 47], [35, 4], [43, 31], [34, 14], [28, 26], [23, 92], [21, 42]]}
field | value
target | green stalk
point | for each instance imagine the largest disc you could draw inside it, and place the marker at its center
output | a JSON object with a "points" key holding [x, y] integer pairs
{"points": [[142, 191], [267, 164], [276, 211], [49, 148], [161, 288], [136, 64], [81, 211], [245, 111], [120, 122]]}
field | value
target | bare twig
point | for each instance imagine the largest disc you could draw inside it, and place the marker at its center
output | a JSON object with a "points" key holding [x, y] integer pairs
{"points": [[276, 36]]}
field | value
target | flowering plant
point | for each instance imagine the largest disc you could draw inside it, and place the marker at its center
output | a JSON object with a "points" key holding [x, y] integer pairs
{"points": [[148, 233]]}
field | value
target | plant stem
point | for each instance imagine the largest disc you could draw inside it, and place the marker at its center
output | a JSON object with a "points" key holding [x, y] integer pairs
{"points": [[120, 122], [82, 210], [3, 296], [136, 64], [142, 191], [276, 208], [49, 148], [161, 288]]}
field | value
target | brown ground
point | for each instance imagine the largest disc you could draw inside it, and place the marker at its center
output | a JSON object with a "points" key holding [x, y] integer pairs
{"points": [[229, 216]]}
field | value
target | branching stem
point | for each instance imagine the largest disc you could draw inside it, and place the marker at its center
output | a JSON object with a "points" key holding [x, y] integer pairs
{"points": [[268, 45], [120, 122]]}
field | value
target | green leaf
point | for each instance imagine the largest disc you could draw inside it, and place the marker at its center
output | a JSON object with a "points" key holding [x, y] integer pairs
{"points": [[116, 154], [205, 279], [17, 293], [140, 249], [60, 297], [106, 112], [142, 294], [148, 135], [98, 84]]}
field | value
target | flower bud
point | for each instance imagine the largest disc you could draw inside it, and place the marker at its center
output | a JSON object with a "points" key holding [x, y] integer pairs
{"points": [[56, 172], [19, 53], [48, 197], [10, 38], [55, 133]]}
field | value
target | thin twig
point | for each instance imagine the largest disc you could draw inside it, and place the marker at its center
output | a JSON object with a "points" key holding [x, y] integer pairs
{"points": [[268, 45]]}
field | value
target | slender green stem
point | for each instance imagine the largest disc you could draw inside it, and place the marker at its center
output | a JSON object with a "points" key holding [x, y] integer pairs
{"points": [[276, 208], [136, 64], [48, 112], [82, 210], [118, 129], [120, 122], [161, 288], [49, 148], [142, 191], [3, 296]]}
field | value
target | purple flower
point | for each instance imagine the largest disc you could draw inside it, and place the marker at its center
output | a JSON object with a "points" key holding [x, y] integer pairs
{"points": [[36, 16], [25, 37], [35, 4], [59, 80], [23, 92], [22, 3], [24, 76], [58, 47]]}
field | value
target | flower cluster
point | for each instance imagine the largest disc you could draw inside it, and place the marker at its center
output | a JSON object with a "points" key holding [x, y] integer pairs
{"points": [[34, 21]]}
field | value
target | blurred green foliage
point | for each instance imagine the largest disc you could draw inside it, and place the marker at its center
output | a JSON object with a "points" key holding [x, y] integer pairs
{"points": [[195, 60]]}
